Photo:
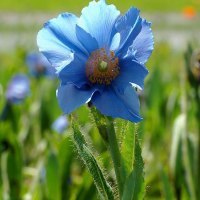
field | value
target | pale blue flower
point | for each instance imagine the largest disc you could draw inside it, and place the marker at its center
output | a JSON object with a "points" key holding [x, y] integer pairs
{"points": [[99, 58], [18, 89], [39, 65], [60, 124]]}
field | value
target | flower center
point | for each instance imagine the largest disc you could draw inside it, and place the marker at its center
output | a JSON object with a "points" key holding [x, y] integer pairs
{"points": [[102, 68]]}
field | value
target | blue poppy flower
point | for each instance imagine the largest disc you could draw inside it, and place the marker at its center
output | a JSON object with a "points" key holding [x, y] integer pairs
{"points": [[60, 124], [18, 89], [39, 65], [99, 58]]}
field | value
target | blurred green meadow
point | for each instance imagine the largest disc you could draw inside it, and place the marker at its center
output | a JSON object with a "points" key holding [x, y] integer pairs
{"points": [[37, 163], [61, 5]]}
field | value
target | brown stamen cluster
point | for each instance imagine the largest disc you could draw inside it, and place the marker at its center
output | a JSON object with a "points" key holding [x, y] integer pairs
{"points": [[102, 67]]}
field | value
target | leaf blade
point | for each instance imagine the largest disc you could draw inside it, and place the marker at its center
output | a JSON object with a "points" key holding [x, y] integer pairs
{"points": [[134, 185]]}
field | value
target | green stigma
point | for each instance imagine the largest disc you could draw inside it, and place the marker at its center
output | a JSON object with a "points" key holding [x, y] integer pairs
{"points": [[103, 66]]}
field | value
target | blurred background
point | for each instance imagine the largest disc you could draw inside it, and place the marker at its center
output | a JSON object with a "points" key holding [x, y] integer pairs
{"points": [[37, 157], [175, 22]]}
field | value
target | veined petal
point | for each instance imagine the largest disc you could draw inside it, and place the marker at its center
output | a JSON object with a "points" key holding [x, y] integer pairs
{"points": [[70, 97], [98, 19], [57, 40], [112, 103], [130, 72], [142, 46], [129, 26], [86, 39], [74, 72], [104, 77]]}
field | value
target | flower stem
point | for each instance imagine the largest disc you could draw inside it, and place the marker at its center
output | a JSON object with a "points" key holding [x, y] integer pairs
{"points": [[115, 153], [107, 132]]}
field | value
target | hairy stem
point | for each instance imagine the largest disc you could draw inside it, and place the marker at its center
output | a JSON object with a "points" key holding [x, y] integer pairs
{"points": [[115, 153], [107, 132]]}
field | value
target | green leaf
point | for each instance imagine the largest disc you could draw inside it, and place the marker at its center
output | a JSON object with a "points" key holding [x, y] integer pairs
{"points": [[53, 177], [176, 147], [100, 121], [127, 149], [37, 192], [134, 185], [191, 143], [14, 170], [181, 155], [167, 186], [87, 189], [103, 188], [190, 167], [65, 157]]}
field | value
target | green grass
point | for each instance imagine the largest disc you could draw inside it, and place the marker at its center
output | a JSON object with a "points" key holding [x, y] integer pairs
{"points": [[77, 5], [160, 107]]}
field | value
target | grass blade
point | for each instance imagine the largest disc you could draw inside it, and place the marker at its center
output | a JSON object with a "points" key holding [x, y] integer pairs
{"points": [[167, 187]]}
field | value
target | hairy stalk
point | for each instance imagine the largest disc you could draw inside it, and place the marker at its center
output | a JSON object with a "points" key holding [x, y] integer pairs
{"points": [[100, 123], [107, 132], [115, 153], [104, 190]]}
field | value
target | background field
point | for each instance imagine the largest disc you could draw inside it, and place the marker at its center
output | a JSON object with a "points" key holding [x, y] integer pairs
{"points": [[75, 5]]}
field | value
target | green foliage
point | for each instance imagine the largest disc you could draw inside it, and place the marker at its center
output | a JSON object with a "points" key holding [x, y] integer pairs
{"points": [[168, 137], [53, 177], [176, 160], [127, 148], [14, 159], [134, 185], [103, 187], [167, 187]]}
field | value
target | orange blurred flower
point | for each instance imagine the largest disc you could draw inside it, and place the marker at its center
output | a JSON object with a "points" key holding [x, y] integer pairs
{"points": [[189, 12]]}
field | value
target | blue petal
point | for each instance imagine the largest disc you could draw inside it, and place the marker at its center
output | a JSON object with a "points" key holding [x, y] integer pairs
{"points": [[112, 103], [115, 42], [98, 19], [57, 40], [130, 72], [129, 26], [74, 72], [86, 39], [70, 97], [142, 46]]}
